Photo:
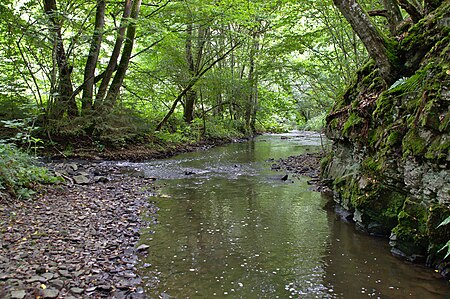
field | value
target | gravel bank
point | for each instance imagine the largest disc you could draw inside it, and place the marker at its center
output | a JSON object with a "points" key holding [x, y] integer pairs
{"points": [[76, 240]]}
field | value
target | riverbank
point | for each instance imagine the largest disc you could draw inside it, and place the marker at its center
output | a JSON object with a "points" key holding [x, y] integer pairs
{"points": [[76, 240], [136, 152], [80, 239]]}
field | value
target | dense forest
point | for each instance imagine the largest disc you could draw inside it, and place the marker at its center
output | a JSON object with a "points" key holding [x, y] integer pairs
{"points": [[137, 79], [113, 72]]}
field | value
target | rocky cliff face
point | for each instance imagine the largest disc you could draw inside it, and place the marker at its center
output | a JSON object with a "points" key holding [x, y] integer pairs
{"points": [[390, 160]]}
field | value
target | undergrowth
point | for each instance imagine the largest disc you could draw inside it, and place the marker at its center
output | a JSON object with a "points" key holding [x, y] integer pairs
{"points": [[20, 173]]}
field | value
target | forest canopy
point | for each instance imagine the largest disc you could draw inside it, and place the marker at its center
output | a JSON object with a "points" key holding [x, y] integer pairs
{"points": [[116, 71]]}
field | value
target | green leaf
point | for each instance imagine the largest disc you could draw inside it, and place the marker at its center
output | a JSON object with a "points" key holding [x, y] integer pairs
{"points": [[448, 249], [445, 222]]}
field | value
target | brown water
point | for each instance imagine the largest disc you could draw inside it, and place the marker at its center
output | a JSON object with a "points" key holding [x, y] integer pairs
{"points": [[233, 229]]}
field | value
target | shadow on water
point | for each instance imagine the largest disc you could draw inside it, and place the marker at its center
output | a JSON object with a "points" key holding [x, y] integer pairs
{"points": [[229, 227]]}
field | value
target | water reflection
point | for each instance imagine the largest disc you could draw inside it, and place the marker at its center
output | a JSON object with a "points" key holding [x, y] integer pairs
{"points": [[232, 229]]}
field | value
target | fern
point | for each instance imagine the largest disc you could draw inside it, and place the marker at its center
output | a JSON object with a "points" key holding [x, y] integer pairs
{"points": [[445, 222]]}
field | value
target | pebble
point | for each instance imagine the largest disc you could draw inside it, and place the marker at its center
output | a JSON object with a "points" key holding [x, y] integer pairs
{"points": [[36, 279], [85, 237], [18, 294], [76, 290], [50, 293], [48, 276]]}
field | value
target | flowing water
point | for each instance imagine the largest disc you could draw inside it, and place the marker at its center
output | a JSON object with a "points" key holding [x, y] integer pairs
{"points": [[229, 227]]}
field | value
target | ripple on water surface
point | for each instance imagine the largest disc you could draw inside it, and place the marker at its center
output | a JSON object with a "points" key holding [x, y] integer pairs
{"points": [[229, 228]]}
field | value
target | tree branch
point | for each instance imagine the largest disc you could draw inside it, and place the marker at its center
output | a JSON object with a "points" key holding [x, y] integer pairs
{"points": [[192, 82], [378, 13]]}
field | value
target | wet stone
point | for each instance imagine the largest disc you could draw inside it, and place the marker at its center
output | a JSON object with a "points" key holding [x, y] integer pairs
{"points": [[104, 287], [143, 247], [64, 273], [18, 294], [81, 179]]}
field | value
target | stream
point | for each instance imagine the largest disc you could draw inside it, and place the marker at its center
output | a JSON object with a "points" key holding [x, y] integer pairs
{"points": [[229, 227]]}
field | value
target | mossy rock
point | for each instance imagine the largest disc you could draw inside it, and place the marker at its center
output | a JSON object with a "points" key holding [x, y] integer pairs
{"points": [[412, 227], [382, 205], [413, 143], [439, 148], [349, 126]]}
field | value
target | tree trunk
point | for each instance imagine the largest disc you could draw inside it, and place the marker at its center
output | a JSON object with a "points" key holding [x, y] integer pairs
{"points": [[191, 98], [91, 63], [191, 95], [64, 101], [393, 14], [112, 64], [193, 81], [412, 10], [375, 44], [117, 82], [252, 101]]}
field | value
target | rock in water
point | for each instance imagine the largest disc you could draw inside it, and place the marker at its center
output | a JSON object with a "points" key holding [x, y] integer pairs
{"points": [[284, 178], [143, 247]]}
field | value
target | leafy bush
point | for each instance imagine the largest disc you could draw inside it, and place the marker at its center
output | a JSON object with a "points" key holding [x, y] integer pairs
{"points": [[19, 173]]}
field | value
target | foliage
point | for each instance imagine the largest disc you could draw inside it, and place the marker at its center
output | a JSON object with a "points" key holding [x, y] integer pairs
{"points": [[20, 173], [446, 222], [270, 66], [316, 123]]}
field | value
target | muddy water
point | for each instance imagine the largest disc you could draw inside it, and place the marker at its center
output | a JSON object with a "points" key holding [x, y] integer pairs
{"points": [[230, 228]]}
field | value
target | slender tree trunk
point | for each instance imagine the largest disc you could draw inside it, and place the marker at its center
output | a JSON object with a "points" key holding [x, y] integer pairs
{"points": [[252, 102], [375, 44], [194, 64], [191, 95], [394, 16], [112, 64], [91, 63], [117, 82], [63, 101], [411, 9]]}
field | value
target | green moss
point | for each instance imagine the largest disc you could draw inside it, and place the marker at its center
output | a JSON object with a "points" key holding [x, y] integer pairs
{"points": [[443, 127], [412, 227], [367, 67], [392, 47], [439, 148], [372, 165], [413, 144], [351, 122], [374, 135], [394, 204], [394, 138]]}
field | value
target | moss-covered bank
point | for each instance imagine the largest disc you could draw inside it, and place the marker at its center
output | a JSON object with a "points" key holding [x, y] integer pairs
{"points": [[390, 158]]}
